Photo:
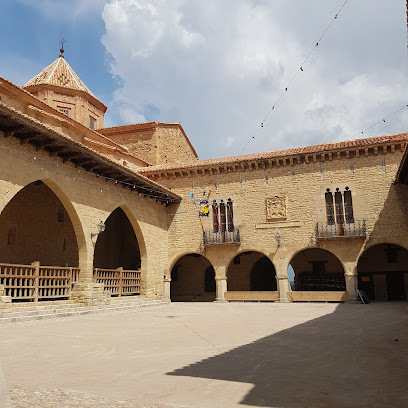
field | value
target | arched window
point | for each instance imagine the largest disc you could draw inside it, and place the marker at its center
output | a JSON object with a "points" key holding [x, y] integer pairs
{"points": [[338, 199], [216, 225], [348, 206], [230, 215], [329, 207], [223, 218]]}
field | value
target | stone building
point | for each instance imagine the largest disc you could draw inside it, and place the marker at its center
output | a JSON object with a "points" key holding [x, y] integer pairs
{"points": [[131, 210]]}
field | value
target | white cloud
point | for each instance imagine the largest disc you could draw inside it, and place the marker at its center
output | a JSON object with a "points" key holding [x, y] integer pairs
{"points": [[218, 67]]}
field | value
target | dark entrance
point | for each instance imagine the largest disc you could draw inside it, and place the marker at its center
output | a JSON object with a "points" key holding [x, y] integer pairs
{"points": [[192, 280], [262, 279], [383, 272], [396, 286], [251, 271], [210, 279], [117, 246]]}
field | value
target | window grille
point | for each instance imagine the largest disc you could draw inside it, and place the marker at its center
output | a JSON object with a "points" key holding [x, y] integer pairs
{"points": [[329, 207], [216, 226], [338, 199], [230, 215], [65, 111], [223, 218], [92, 123], [348, 206]]}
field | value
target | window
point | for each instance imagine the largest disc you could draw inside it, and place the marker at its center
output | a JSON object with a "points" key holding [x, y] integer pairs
{"points": [[92, 122], [319, 267], [348, 206], [329, 207], [340, 210], [216, 226], [392, 254], [338, 200], [65, 111], [230, 215], [60, 215], [223, 216]]}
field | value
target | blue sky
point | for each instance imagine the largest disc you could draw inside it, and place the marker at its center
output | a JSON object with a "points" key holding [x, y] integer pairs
{"points": [[218, 66]]}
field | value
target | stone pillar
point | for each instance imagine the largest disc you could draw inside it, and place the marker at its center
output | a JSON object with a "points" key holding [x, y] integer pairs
{"points": [[5, 301], [283, 288], [221, 283], [166, 289], [351, 278]]}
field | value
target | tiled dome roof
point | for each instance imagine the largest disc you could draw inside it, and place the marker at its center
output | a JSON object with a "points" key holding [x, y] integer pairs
{"points": [[61, 74]]}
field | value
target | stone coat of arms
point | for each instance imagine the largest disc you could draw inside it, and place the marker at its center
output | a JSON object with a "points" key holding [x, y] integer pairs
{"points": [[276, 207]]}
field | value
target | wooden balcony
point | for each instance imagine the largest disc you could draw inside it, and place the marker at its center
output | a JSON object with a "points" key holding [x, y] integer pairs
{"points": [[357, 229], [34, 282], [119, 282], [221, 238]]}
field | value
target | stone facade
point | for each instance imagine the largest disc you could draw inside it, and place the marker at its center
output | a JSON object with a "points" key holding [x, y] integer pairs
{"points": [[278, 201], [154, 142]]}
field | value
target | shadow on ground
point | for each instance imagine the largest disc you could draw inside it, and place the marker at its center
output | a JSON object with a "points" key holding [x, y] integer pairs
{"points": [[349, 358]]}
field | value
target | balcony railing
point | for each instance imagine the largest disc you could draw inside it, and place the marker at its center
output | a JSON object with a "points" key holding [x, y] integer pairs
{"points": [[221, 238], [352, 230]]}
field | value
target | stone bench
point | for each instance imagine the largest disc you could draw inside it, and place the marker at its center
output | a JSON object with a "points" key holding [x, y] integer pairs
{"points": [[317, 296], [251, 296]]}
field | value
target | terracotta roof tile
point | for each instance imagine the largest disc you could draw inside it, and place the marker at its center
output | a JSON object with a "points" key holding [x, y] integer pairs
{"points": [[314, 149], [59, 73], [13, 112]]}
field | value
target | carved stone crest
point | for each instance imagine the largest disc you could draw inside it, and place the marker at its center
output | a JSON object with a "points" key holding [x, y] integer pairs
{"points": [[276, 207]]}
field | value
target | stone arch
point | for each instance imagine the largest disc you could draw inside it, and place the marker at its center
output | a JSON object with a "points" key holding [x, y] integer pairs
{"points": [[122, 243], [317, 269], [382, 271], [139, 235], [251, 271], [192, 278], [15, 194]]}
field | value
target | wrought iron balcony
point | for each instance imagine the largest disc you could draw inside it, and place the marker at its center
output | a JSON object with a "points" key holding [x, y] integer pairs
{"points": [[221, 238], [357, 229]]}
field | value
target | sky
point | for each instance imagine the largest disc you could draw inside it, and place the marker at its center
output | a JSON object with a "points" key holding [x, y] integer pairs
{"points": [[218, 66]]}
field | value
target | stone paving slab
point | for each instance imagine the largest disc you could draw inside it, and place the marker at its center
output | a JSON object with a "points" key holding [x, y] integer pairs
{"points": [[212, 356]]}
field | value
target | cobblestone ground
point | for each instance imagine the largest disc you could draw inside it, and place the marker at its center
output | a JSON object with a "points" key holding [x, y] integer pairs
{"points": [[211, 356], [57, 398]]}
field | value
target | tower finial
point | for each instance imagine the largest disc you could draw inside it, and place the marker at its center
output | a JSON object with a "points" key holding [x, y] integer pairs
{"points": [[62, 42]]}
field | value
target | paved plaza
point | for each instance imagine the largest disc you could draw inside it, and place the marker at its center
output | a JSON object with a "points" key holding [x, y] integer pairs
{"points": [[211, 356]]}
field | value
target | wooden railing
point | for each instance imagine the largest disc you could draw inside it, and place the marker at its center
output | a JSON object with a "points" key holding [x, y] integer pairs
{"points": [[34, 282], [119, 282]]}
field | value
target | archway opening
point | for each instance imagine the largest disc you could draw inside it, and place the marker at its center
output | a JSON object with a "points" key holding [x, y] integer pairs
{"points": [[192, 280], [383, 272], [117, 246], [35, 226], [317, 270], [251, 271]]}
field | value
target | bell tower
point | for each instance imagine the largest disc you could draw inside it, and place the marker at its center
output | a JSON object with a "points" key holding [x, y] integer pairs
{"points": [[60, 87]]}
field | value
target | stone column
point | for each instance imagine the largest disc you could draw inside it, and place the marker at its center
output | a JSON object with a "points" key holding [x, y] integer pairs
{"points": [[221, 283], [86, 291], [283, 288], [350, 275], [166, 289], [5, 301]]}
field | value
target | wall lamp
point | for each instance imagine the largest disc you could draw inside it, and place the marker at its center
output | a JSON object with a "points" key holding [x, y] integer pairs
{"points": [[101, 227], [278, 239]]}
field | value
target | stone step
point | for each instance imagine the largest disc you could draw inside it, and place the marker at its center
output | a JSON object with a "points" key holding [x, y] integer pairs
{"points": [[20, 315]]}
